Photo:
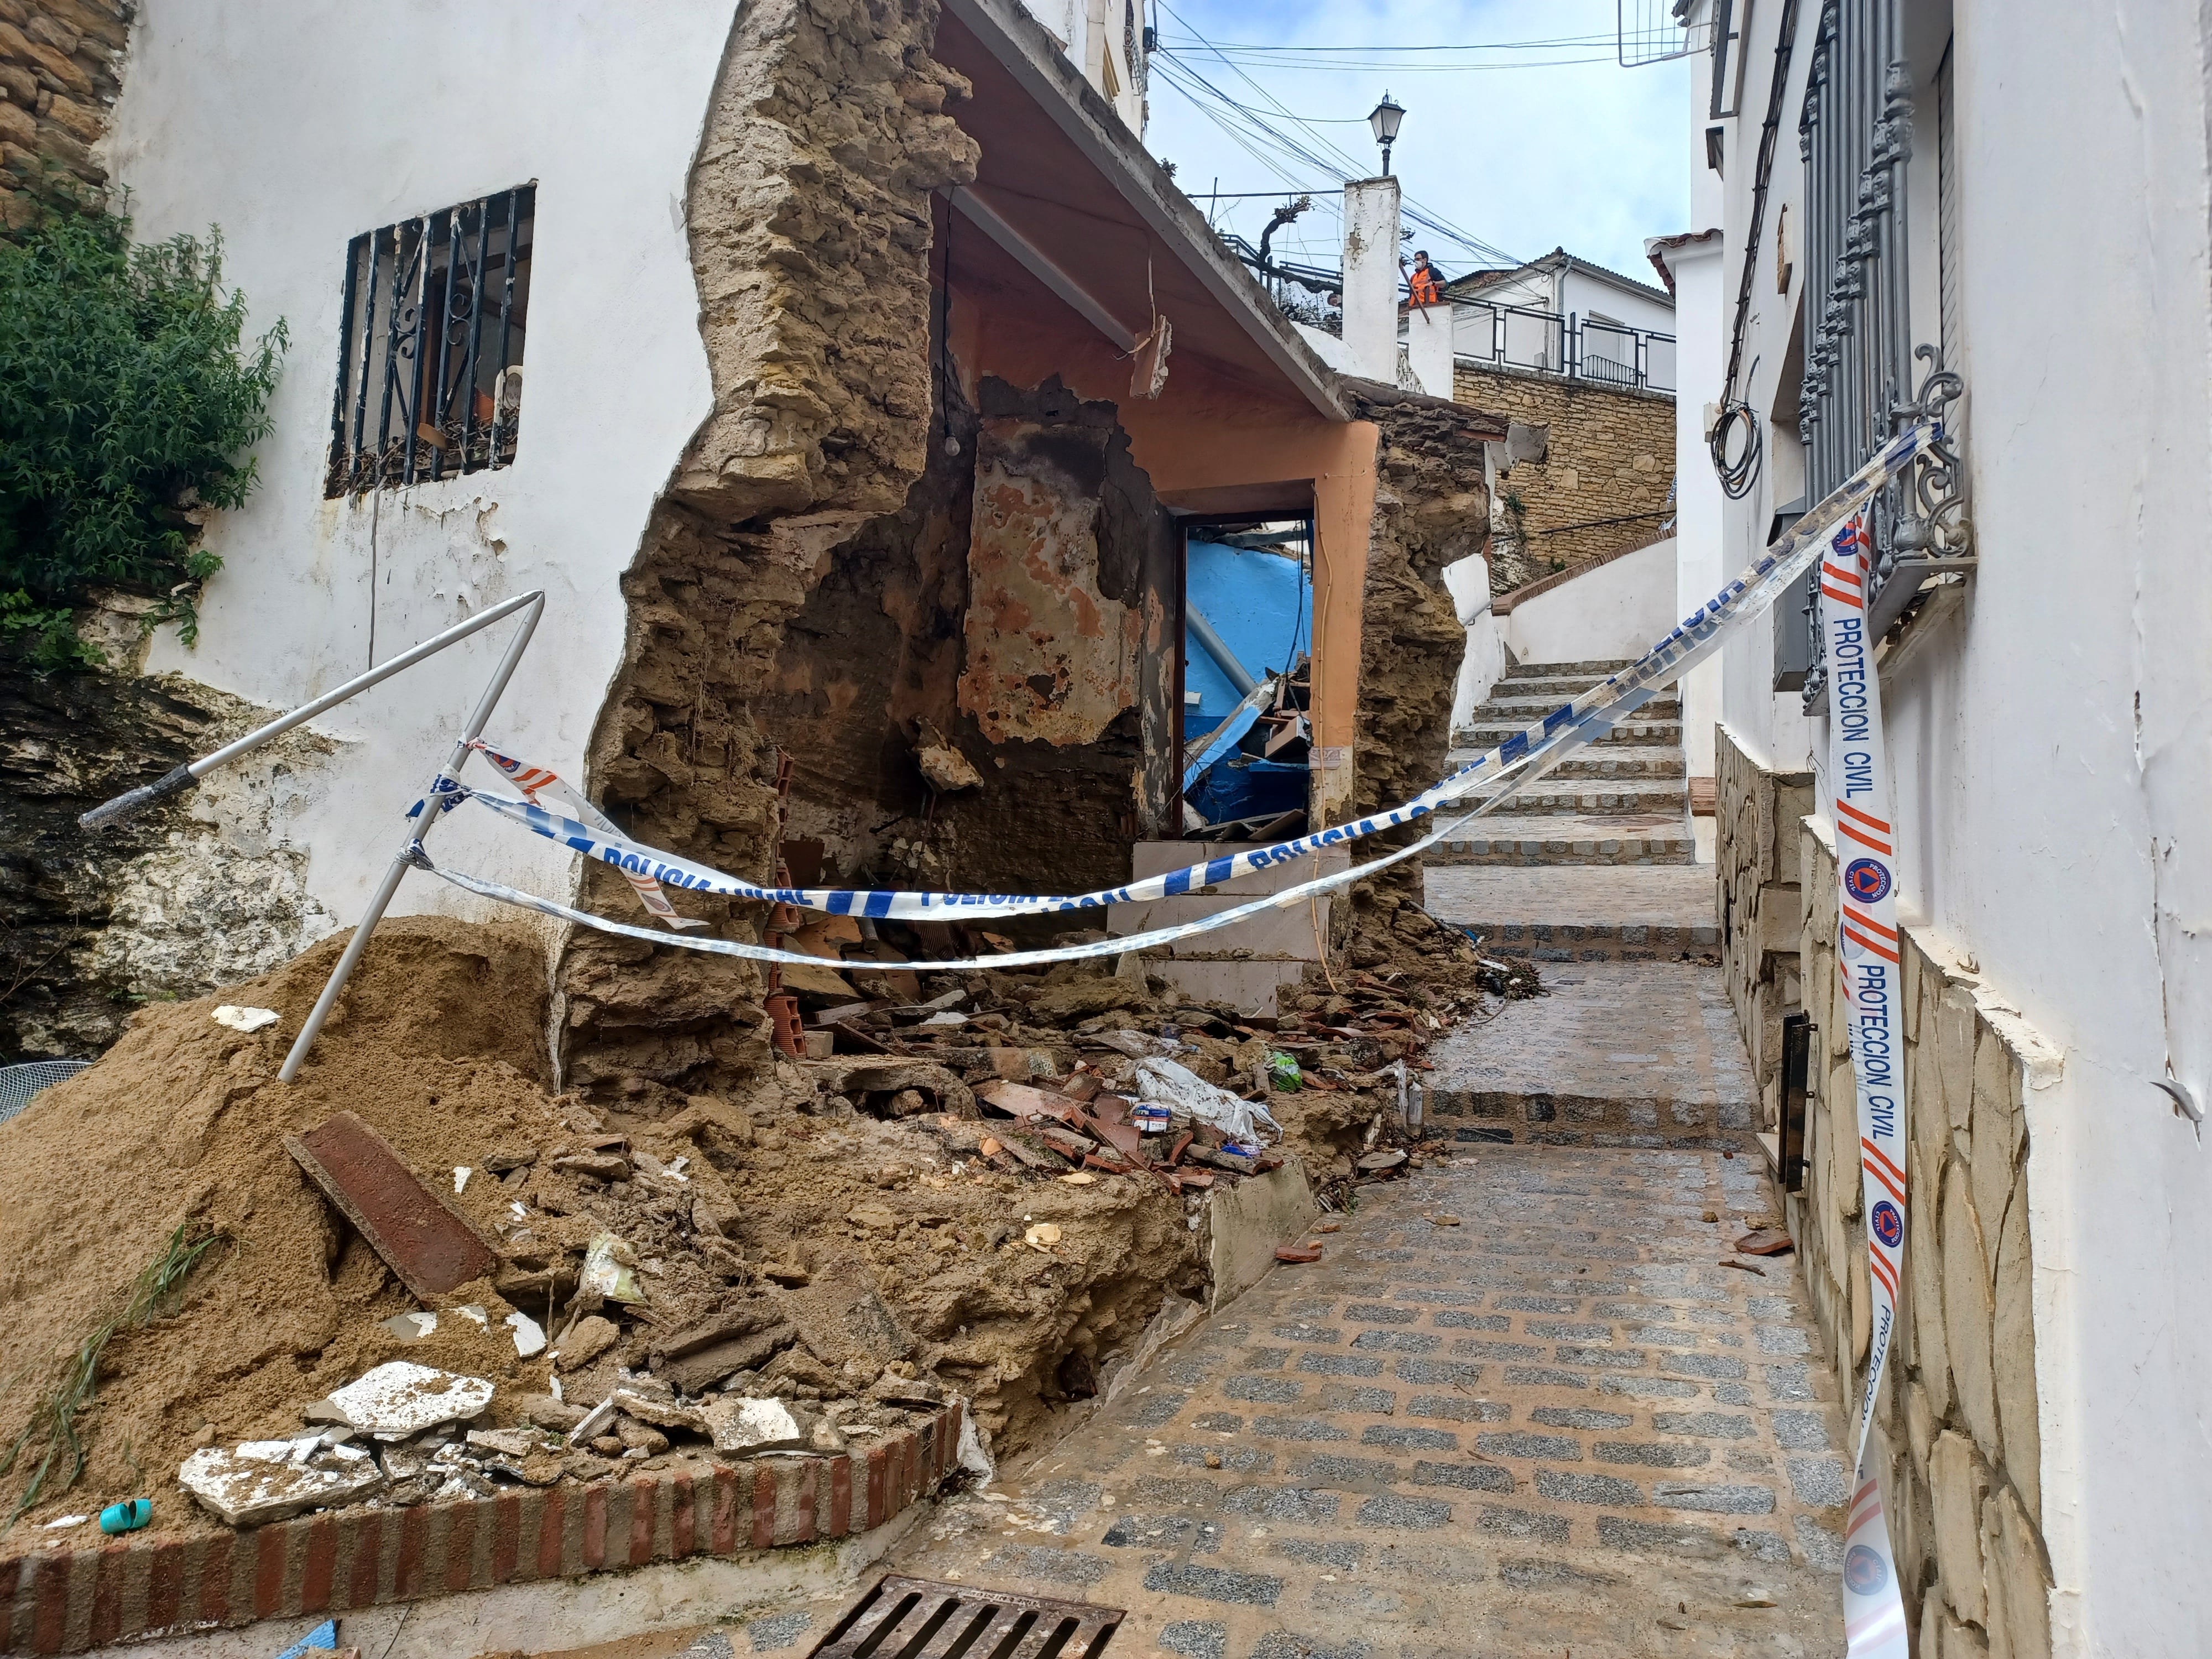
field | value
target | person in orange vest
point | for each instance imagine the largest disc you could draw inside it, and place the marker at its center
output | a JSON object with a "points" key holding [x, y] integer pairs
{"points": [[1425, 287]]}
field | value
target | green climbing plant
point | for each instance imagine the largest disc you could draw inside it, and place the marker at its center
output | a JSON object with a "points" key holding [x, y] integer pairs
{"points": [[129, 396]]}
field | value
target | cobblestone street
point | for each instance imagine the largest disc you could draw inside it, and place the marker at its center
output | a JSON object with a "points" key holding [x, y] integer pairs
{"points": [[1530, 1401], [1560, 1426]]}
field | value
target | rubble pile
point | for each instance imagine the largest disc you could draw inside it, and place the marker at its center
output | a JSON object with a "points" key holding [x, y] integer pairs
{"points": [[987, 1185]]}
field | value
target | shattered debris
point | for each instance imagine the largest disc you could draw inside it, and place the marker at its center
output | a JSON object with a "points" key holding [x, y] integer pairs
{"points": [[265, 1480], [995, 1209], [402, 1398]]}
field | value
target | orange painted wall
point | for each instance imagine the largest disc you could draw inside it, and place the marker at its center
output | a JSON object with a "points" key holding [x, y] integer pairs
{"points": [[1208, 430]]}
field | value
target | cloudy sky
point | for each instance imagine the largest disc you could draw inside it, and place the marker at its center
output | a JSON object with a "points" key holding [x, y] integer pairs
{"points": [[1526, 147]]}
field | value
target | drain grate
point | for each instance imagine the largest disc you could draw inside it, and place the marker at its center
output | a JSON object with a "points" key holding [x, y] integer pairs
{"points": [[915, 1618]]}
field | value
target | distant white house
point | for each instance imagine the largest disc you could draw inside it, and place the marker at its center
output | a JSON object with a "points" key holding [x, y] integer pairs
{"points": [[1559, 311]]}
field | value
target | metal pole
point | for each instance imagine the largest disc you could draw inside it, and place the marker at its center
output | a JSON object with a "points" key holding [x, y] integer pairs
{"points": [[137, 800], [432, 804]]}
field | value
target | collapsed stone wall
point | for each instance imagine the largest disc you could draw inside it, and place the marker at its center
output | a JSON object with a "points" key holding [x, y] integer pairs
{"points": [[60, 69], [1603, 482], [1760, 905], [1431, 510], [1958, 1418], [810, 215], [1016, 610]]}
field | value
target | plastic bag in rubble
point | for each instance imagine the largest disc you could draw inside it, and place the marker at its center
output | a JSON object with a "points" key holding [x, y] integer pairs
{"points": [[1189, 1095], [610, 1270]]}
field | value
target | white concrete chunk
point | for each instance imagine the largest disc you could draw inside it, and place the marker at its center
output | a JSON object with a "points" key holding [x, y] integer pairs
{"points": [[265, 1480], [739, 1423], [399, 1398]]}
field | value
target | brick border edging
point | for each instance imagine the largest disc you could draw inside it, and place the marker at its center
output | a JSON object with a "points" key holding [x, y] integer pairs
{"points": [[343, 1560]]}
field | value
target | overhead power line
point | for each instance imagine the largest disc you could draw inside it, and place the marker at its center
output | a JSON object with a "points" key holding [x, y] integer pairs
{"points": [[1557, 42], [1258, 131]]}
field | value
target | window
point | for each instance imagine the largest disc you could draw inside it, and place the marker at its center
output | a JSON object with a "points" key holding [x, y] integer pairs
{"points": [[435, 313]]}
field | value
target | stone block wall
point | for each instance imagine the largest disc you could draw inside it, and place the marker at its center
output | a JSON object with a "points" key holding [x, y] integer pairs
{"points": [[1957, 1422], [810, 215], [1603, 482], [60, 69], [1760, 905]]}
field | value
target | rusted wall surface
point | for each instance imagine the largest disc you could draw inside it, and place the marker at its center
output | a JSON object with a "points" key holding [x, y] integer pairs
{"points": [[1071, 563], [1052, 654], [1069, 579]]}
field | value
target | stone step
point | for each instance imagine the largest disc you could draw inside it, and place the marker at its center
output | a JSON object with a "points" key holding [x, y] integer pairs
{"points": [[1597, 668], [1563, 685], [1488, 734], [1598, 797], [1516, 838], [1531, 708], [1603, 760], [1582, 912]]}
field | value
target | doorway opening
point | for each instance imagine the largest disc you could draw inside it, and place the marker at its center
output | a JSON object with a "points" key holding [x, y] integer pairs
{"points": [[1243, 676]]}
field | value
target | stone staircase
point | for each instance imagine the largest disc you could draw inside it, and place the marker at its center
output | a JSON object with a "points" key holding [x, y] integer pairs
{"points": [[1621, 800]]}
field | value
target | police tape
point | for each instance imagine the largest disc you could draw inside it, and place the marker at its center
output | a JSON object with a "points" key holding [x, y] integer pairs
{"points": [[1521, 760], [536, 780], [1868, 959]]}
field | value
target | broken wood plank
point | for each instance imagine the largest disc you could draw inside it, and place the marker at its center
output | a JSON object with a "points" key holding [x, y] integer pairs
{"points": [[423, 1238], [1024, 1101]]}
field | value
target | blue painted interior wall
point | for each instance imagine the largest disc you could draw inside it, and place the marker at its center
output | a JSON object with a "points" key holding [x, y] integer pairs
{"points": [[1261, 603]]}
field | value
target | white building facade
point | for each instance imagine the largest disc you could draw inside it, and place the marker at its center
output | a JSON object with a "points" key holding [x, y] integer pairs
{"points": [[1105, 40], [2049, 700]]}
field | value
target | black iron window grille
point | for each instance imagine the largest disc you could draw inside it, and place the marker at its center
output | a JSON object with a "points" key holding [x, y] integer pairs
{"points": [[1855, 137], [435, 314]]}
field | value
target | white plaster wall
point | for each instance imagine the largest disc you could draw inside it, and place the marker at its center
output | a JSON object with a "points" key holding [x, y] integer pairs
{"points": [[296, 126], [1699, 567], [1619, 610], [2051, 745], [1769, 726], [1429, 347], [2051, 749], [1468, 580], [1089, 31], [1371, 279], [1327, 346]]}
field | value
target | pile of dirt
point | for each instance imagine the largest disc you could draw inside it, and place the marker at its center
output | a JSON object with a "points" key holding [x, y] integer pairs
{"points": [[859, 1238], [954, 1198]]}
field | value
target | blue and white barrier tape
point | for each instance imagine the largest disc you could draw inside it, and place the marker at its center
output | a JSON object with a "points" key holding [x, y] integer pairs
{"points": [[1530, 752], [1520, 760]]}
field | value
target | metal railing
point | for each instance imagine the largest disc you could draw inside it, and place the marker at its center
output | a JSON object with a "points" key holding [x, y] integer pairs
{"points": [[1550, 343], [437, 799], [1856, 138], [1579, 348], [430, 346]]}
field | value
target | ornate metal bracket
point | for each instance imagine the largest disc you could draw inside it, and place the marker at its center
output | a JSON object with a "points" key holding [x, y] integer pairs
{"points": [[1934, 519], [1919, 524]]}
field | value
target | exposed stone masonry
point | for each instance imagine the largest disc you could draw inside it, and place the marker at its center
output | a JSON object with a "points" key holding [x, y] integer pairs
{"points": [[1958, 1416], [201, 891], [59, 74], [1431, 510], [1611, 456], [1760, 904], [810, 217]]}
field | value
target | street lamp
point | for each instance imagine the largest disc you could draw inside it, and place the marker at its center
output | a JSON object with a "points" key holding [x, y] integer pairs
{"points": [[1384, 118]]}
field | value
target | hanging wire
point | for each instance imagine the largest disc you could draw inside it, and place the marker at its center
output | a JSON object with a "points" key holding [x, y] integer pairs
{"points": [[1316, 151]]}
